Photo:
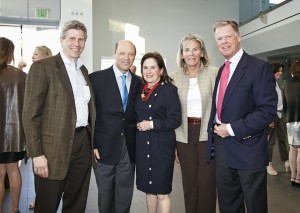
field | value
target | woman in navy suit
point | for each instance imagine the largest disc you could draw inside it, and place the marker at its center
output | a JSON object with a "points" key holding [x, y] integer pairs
{"points": [[159, 114]]}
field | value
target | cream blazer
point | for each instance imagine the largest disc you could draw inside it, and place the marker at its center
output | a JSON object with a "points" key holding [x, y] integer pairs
{"points": [[206, 82]]}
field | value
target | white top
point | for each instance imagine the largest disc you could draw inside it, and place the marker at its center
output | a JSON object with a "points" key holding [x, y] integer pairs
{"points": [[80, 89], [194, 104], [279, 103]]}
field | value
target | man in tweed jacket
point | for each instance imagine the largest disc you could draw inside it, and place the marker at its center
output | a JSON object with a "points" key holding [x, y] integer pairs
{"points": [[58, 119]]}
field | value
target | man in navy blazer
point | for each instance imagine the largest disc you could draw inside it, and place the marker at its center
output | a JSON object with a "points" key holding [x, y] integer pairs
{"points": [[237, 133], [115, 131]]}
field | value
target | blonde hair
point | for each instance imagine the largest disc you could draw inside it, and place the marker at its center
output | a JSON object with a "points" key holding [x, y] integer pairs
{"points": [[44, 51], [223, 23], [192, 37]]}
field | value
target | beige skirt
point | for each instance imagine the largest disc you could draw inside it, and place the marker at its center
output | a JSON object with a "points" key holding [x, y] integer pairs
{"points": [[293, 133]]}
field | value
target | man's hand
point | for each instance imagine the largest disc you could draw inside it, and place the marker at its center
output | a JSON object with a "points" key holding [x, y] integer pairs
{"points": [[221, 130], [40, 166], [96, 154]]}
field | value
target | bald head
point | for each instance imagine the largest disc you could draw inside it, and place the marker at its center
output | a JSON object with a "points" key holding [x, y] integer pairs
{"points": [[125, 52]]}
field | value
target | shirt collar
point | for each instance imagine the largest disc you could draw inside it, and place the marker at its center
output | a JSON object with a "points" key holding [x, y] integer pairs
{"points": [[118, 73], [237, 57], [68, 62]]}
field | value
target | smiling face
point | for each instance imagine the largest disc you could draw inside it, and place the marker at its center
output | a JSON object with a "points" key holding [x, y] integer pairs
{"points": [[191, 53], [279, 73], [151, 72], [73, 44], [228, 41], [124, 56]]}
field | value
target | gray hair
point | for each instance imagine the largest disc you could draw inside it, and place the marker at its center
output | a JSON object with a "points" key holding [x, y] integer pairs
{"points": [[73, 24]]}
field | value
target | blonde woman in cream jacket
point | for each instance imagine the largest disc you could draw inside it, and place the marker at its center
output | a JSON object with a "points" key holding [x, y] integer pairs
{"points": [[195, 82]]}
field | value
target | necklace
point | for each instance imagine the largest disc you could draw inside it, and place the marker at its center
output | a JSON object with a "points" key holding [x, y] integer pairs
{"points": [[146, 92]]}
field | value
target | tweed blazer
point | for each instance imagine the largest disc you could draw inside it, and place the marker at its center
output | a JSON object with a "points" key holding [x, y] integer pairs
{"points": [[206, 82], [49, 114]]}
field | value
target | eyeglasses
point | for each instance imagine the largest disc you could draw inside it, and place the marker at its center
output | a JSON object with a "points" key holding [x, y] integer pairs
{"points": [[227, 38]]}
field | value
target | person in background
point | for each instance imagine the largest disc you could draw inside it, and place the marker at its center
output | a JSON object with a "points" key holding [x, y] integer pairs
{"points": [[40, 52], [244, 104], [195, 82], [291, 109], [158, 115], [58, 119], [12, 139], [278, 128], [116, 90], [133, 69]]}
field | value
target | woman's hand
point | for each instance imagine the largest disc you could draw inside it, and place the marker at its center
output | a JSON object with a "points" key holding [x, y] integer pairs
{"points": [[144, 125]]}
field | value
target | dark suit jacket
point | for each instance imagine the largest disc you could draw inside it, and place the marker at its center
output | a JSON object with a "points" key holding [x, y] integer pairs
{"points": [[49, 114], [250, 105], [112, 124]]}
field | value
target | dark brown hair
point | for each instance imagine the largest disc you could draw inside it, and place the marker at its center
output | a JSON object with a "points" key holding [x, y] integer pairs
{"points": [[7, 48], [295, 68], [276, 66], [161, 65]]}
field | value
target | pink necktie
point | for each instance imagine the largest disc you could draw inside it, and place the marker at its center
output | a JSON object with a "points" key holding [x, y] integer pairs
{"points": [[222, 87]]}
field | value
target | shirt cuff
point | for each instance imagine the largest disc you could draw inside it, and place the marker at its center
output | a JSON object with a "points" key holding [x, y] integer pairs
{"points": [[229, 129]]}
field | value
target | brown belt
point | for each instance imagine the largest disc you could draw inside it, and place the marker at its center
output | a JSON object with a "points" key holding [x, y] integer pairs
{"points": [[194, 120]]}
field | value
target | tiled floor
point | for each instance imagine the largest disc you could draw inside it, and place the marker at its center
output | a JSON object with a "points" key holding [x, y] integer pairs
{"points": [[282, 198]]}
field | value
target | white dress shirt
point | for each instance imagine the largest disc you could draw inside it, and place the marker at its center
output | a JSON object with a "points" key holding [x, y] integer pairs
{"points": [[118, 75], [234, 62], [279, 103], [81, 90]]}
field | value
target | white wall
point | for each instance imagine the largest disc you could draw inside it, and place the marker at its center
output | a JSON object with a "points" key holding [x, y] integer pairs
{"points": [[274, 31], [161, 23], [86, 7]]}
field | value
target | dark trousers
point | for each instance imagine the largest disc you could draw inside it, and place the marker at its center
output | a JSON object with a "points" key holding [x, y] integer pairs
{"points": [[237, 187], [115, 184], [278, 134], [74, 187], [198, 177]]}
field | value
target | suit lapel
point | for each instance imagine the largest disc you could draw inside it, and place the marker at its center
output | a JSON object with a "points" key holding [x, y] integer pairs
{"points": [[64, 77], [236, 77], [113, 85], [133, 87]]}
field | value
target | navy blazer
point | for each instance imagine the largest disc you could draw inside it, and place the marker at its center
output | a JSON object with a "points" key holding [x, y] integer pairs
{"points": [[249, 106], [112, 124]]}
